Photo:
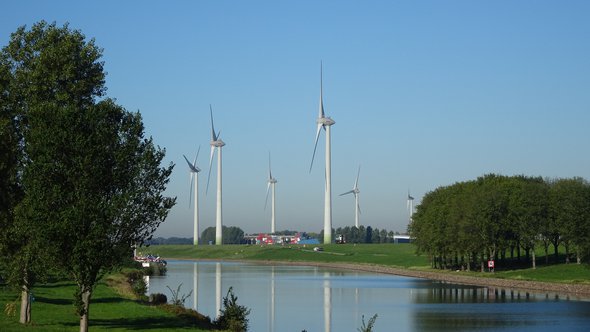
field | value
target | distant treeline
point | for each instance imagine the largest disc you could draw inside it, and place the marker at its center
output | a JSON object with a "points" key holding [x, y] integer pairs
{"points": [[230, 235], [468, 223], [362, 234], [170, 240], [235, 235]]}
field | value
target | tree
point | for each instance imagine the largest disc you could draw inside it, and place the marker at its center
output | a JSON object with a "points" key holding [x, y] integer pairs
{"points": [[230, 235], [383, 236], [528, 210], [44, 65], [571, 212], [91, 178], [233, 316], [368, 235]]}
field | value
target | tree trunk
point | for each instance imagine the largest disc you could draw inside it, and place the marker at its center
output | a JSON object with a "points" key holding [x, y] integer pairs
{"points": [[546, 248], [482, 264], [85, 307], [25, 305], [534, 258], [556, 248]]}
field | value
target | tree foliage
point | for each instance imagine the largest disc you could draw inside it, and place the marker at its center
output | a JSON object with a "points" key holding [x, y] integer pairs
{"points": [[91, 182], [467, 223], [230, 235], [233, 316]]}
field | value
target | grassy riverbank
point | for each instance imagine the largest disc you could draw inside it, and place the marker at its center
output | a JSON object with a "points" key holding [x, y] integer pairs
{"points": [[400, 256], [52, 310]]}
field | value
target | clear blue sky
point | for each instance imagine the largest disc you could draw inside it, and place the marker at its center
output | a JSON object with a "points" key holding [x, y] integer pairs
{"points": [[424, 94]]}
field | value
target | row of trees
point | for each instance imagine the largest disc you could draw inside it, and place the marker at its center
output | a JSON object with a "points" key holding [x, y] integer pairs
{"points": [[473, 221], [80, 184], [362, 234]]}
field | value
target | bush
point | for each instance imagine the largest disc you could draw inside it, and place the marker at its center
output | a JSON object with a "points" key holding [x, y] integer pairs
{"points": [[233, 317], [156, 269], [157, 299], [135, 279]]}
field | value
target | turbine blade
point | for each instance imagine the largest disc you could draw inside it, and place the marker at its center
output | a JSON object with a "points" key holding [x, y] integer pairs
{"points": [[188, 162], [356, 183], [266, 199], [197, 156], [359, 207], [269, 169], [317, 136], [210, 164], [192, 167], [213, 136], [321, 111], [190, 191], [346, 193]]}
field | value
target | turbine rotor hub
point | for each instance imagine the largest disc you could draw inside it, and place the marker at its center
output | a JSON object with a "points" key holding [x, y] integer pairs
{"points": [[327, 121], [219, 143]]}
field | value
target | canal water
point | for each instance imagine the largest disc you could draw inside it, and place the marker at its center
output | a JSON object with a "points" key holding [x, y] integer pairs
{"points": [[297, 298]]}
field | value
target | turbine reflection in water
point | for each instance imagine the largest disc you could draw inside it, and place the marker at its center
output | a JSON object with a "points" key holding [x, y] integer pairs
{"points": [[295, 298]]}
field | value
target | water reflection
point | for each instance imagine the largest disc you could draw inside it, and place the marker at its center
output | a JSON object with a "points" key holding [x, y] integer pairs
{"points": [[294, 298], [327, 302]]}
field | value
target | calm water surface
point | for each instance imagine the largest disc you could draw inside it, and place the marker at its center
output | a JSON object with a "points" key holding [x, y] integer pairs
{"points": [[294, 298]]}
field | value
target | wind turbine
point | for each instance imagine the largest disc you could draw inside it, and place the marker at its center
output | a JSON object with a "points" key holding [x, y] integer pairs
{"points": [[410, 205], [325, 123], [271, 185], [355, 190], [216, 142], [194, 171]]}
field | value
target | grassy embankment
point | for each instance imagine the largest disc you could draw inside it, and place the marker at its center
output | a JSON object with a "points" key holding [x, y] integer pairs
{"points": [[391, 255], [111, 310]]}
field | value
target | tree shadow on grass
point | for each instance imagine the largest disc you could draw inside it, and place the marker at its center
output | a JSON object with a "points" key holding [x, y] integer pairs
{"points": [[141, 324], [69, 301], [53, 300], [109, 300]]}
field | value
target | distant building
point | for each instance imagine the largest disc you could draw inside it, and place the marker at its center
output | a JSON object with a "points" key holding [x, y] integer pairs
{"points": [[263, 238], [401, 239]]}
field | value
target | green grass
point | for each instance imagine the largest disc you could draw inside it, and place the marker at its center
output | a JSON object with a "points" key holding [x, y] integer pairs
{"points": [[563, 273], [397, 255], [53, 310], [394, 255]]}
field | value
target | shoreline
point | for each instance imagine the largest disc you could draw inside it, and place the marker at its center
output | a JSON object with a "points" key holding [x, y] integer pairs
{"points": [[577, 290]]}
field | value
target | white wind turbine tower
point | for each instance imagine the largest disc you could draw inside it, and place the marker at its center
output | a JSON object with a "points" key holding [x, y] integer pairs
{"points": [[194, 171], [325, 123], [216, 142], [271, 186], [355, 190], [410, 205]]}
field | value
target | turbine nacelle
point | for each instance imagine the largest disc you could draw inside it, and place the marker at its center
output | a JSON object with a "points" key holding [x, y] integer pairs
{"points": [[217, 143], [325, 121]]}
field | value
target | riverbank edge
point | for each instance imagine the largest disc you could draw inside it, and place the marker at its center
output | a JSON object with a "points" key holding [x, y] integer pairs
{"points": [[568, 289]]}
